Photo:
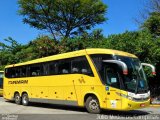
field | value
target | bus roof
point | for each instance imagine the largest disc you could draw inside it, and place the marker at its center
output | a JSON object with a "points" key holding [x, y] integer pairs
{"points": [[75, 54]]}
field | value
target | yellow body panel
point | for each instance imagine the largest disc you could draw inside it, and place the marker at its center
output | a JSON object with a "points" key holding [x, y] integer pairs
{"points": [[55, 87]]}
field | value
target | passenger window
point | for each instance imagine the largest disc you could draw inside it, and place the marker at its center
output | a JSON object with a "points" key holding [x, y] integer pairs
{"points": [[36, 70], [80, 65], [10, 72], [23, 72], [1, 80], [52, 68], [64, 67], [17, 72]]}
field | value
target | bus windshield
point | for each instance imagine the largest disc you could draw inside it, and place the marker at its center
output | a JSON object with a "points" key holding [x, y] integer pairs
{"points": [[135, 81], [1, 80]]}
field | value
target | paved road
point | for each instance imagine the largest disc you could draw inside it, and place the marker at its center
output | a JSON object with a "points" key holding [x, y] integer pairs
{"points": [[39, 111]]}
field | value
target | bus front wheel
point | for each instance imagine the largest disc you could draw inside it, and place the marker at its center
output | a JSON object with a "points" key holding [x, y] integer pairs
{"points": [[25, 99], [92, 105], [17, 98]]}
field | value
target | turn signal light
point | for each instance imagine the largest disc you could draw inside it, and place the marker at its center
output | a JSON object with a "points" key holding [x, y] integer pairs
{"points": [[153, 73], [142, 105], [125, 72]]}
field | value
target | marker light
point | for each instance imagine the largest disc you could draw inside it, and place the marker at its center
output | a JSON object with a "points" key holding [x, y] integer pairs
{"points": [[142, 105], [153, 73], [125, 72]]}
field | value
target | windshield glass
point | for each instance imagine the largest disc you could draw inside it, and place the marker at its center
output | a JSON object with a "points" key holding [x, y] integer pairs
{"points": [[135, 81], [1, 80]]}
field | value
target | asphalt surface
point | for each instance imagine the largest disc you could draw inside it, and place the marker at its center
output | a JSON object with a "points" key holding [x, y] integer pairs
{"points": [[38, 111]]}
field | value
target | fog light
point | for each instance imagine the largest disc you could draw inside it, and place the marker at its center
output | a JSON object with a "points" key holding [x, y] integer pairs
{"points": [[142, 105]]}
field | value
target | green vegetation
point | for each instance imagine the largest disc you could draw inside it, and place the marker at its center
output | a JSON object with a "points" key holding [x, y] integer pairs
{"points": [[62, 18]]}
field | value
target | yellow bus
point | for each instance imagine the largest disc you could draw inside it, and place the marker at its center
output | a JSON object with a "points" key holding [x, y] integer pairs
{"points": [[93, 78], [1, 83]]}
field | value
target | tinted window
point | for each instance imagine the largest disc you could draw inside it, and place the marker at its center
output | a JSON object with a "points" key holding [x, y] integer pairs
{"points": [[52, 68], [1, 80], [111, 76], [64, 66], [23, 71], [36, 70], [10, 72], [81, 65], [16, 72], [98, 59]]}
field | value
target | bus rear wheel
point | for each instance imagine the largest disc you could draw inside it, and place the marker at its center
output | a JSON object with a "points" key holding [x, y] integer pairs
{"points": [[92, 105], [25, 99], [17, 98]]}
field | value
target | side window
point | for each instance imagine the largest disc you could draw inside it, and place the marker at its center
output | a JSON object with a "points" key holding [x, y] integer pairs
{"points": [[98, 58], [36, 70], [64, 66], [52, 68], [23, 72], [10, 72], [80, 65], [1, 80], [17, 72], [112, 78], [1, 83]]}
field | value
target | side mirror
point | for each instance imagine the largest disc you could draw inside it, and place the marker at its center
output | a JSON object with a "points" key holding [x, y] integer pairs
{"points": [[151, 66], [120, 63]]}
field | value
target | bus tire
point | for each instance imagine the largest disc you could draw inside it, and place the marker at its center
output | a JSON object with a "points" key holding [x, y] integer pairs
{"points": [[92, 105], [25, 99], [17, 98]]}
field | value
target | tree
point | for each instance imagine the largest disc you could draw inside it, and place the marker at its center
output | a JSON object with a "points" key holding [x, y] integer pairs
{"points": [[85, 40], [12, 52], [62, 18], [153, 6], [153, 24], [41, 47], [140, 43], [8, 52], [150, 6]]}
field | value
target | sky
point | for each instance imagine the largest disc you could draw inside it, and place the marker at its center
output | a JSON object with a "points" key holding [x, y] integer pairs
{"points": [[120, 15]]}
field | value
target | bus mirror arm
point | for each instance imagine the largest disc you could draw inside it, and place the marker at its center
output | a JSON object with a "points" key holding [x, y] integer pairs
{"points": [[151, 66], [120, 63]]}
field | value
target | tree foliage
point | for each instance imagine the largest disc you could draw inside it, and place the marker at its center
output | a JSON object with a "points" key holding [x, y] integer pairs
{"points": [[8, 52], [153, 6], [153, 23], [43, 46], [62, 18], [12, 52]]}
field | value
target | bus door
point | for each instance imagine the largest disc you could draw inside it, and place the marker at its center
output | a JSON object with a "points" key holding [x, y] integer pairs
{"points": [[112, 81]]}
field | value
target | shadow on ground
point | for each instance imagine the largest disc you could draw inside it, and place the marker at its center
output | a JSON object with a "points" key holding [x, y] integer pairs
{"points": [[83, 110]]}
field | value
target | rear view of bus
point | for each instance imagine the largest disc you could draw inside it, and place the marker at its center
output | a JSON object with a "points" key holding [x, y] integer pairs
{"points": [[1, 83]]}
